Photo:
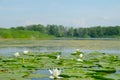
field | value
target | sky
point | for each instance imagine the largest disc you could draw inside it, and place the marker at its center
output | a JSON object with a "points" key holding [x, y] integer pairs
{"points": [[75, 13]]}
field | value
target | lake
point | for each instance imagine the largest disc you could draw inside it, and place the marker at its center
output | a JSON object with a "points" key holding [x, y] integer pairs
{"points": [[110, 46], [8, 47]]}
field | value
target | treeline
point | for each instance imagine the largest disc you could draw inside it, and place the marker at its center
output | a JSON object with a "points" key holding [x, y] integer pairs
{"points": [[22, 34], [62, 31]]}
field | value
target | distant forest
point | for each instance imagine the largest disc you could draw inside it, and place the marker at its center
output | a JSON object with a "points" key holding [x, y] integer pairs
{"points": [[62, 31], [41, 31]]}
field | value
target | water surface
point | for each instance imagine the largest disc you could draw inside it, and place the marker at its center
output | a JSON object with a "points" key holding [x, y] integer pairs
{"points": [[64, 46]]}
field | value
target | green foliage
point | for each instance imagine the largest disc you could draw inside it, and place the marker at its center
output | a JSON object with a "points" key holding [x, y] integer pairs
{"points": [[22, 34], [12, 68], [61, 31]]}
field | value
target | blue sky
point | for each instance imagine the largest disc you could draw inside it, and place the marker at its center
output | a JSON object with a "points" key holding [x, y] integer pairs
{"points": [[77, 13]]}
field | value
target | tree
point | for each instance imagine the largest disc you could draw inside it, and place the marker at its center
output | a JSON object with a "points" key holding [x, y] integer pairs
{"points": [[38, 27], [70, 32]]}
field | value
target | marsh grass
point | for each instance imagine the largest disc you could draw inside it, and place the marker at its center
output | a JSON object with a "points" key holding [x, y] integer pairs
{"points": [[81, 44]]}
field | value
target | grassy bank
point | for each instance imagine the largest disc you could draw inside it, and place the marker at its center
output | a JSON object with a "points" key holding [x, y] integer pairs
{"points": [[23, 34]]}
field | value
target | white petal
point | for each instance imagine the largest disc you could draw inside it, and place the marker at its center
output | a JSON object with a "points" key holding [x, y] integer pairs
{"points": [[51, 72]]}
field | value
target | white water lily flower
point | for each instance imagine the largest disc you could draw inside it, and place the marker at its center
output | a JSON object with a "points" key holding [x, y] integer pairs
{"points": [[25, 52], [16, 54], [55, 73], [77, 50], [80, 60], [81, 55], [58, 57], [74, 52]]}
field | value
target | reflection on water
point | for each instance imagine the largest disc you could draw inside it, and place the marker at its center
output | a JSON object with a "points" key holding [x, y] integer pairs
{"points": [[12, 50], [117, 72], [46, 72], [64, 50], [42, 71], [40, 79]]}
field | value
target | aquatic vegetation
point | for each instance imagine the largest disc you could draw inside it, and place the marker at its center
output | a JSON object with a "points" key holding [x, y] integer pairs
{"points": [[79, 60], [81, 55], [77, 50], [16, 54], [78, 55], [25, 52], [92, 66], [55, 73], [58, 57]]}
